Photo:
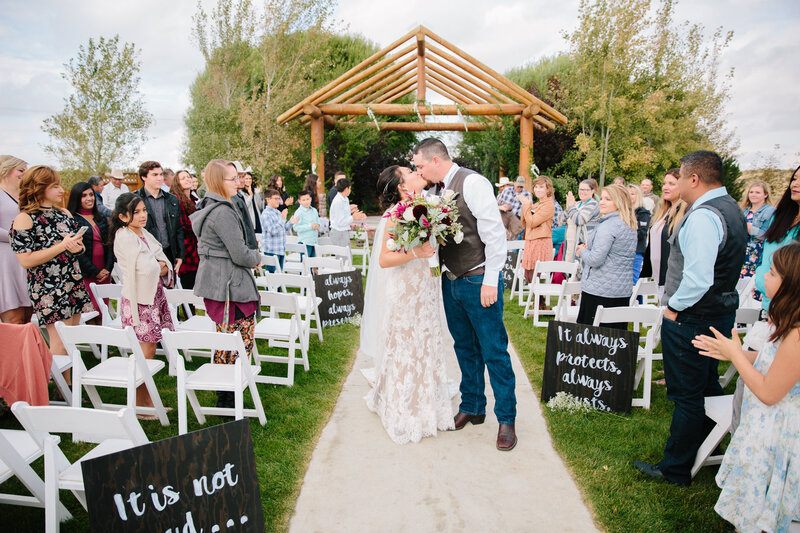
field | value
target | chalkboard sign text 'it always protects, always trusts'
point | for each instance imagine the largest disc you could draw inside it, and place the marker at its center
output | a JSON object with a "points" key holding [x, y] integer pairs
{"points": [[595, 364]]}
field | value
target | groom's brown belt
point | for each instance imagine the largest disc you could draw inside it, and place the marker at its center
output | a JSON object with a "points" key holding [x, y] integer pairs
{"points": [[474, 272]]}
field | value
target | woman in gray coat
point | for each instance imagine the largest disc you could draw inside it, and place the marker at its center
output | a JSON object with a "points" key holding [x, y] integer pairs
{"points": [[608, 256], [225, 274]]}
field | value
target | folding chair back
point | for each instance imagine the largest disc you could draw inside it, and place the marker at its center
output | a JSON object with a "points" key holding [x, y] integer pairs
{"points": [[111, 291], [542, 287], [648, 290], [281, 332], [331, 250], [307, 299], [566, 310], [211, 376], [323, 265], [269, 261], [649, 317]]}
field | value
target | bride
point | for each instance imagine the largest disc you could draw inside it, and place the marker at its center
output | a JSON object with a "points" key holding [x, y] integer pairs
{"points": [[403, 329]]}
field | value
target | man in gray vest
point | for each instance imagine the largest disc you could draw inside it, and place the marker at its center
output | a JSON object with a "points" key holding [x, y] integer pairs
{"points": [[472, 288], [706, 256]]}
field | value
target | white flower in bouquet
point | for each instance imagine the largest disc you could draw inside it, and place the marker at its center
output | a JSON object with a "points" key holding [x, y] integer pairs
{"points": [[434, 200], [392, 245], [458, 237], [408, 215], [448, 195]]}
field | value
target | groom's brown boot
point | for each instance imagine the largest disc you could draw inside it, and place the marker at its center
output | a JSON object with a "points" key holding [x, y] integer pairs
{"points": [[506, 437], [461, 420]]}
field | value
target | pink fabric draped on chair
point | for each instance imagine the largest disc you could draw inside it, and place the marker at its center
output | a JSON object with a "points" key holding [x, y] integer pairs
{"points": [[25, 362]]}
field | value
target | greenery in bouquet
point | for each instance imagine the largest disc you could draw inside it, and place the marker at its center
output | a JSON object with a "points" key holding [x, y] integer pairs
{"points": [[421, 219]]}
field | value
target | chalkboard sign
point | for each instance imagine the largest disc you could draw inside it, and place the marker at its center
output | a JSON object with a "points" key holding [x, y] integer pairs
{"points": [[342, 296], [202, 481], [508, 268], [595, 364]]}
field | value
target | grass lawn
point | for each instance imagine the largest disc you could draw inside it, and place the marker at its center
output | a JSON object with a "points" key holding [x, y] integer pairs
{"points": [[599, 448], [295, 418]]}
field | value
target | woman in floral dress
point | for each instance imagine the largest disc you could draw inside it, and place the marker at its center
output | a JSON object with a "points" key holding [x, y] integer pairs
{"points": [[45, 239]]}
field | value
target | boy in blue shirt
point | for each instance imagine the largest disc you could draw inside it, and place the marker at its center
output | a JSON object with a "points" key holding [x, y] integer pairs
{"points": [[306, 222]]}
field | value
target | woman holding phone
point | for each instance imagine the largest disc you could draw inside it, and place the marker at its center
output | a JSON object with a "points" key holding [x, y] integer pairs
{"points": [[46, 240]]}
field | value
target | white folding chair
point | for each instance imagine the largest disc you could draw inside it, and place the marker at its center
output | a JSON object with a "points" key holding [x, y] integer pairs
{"points": [[307, 299], [322, 265], [640, 317], [566, 310], [518, 284], [118, 372], [17, 451], [745, 318], [114, 431], [648, 290], [343, 253], [292, 239], [210, 376], [280, 332], [186, 299], [293, 260], [109, 314], [543, 286], [116, 274], [720, 410], [269, 261], [361, 248]]}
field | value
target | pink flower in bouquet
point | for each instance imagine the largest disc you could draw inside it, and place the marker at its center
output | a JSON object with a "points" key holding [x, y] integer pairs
{"points": [[424, 222]]}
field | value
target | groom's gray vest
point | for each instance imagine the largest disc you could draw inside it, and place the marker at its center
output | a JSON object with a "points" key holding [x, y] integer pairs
{"points": [[469, 253]]}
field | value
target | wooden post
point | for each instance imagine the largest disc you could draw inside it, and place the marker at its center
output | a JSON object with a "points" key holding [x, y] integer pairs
{"points": [[421, 69], [526, 148], [318, 159]]}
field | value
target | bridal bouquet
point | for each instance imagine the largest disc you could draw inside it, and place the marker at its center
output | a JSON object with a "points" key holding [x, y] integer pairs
{"points": [[424, 218]]}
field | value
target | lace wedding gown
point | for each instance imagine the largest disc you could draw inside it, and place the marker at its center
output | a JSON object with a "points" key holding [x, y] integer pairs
{"points": [[410, 391]]}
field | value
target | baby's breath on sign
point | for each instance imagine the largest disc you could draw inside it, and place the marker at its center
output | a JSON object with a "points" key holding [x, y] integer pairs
{"points": [[564, 401]]}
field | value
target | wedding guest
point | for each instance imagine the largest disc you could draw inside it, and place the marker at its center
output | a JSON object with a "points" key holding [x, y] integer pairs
{"points": [[333, 192], [649, 199], [758, 213], [580, 216], [538, 220], [252, 201], [15, 304], [97, 260], [113, 188], [181, 189], [619, 180], [195, 188], [509, 202], [341, 215], [145, 272], [169, 178], [98, 186], [642, 222], [608, 256], [306, 222], [759, 472], [276, 182], [163, 212], [669, 213], [238, 201], [46, 241], [225, 277], [700, 292], [782, 230], [311, 186], [275, 226]]}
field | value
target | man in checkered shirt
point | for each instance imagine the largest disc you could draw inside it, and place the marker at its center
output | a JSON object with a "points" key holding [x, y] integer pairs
{"points": [[273, 227]]}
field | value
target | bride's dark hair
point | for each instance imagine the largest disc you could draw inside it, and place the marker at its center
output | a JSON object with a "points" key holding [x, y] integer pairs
{"points": [[387, 186]]}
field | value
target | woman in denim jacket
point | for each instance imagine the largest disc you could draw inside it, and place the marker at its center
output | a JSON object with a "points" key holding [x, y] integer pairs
{"points": [[758, 212]]}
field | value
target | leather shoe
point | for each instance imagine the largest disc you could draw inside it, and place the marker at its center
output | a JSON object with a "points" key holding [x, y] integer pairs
{"points": [[506, 437], [461, 419], [654, 472]]}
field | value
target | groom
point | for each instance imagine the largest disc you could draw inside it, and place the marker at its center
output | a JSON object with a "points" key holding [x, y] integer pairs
{"points": [[472, 289]]}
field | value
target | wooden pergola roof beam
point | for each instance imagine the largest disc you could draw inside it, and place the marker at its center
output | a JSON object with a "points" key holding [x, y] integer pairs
{"points": [[377, 80], [403, 109], [479, 94]]}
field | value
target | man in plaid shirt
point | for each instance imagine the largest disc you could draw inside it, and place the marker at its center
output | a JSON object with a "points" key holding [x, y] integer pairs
{"points": [[507, 199], [273, 227]]}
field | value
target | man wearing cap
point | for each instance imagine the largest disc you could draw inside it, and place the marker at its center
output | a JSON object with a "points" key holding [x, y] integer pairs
{"points": [[114, 188], [97, 184]]}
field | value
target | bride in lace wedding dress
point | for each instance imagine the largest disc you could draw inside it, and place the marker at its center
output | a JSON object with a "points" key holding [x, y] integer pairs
{"points": [[403, 330]]}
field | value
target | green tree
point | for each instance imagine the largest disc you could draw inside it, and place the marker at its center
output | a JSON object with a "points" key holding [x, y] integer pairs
{"points": [[104, 121]]}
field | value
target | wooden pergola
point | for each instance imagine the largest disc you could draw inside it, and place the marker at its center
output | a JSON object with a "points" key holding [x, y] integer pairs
{"points": [[415, 63]]}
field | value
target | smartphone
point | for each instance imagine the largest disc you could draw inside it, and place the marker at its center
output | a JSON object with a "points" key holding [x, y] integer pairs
{"points": [[81, 231]]}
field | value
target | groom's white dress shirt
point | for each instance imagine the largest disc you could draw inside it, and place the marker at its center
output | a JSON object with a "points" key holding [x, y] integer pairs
{"points": [[479, 197]]}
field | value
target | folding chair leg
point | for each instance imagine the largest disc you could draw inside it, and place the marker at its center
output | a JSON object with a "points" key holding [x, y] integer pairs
{"points": [[61, 385], [196, 407], [262, 416]]}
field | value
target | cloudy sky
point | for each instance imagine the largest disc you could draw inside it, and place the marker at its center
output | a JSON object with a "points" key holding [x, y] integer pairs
{"points": [[37, 37]]}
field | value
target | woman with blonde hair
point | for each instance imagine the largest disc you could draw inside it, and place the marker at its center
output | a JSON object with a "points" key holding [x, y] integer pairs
{"points": [[642, 223], [757, 211], [15, 304], [538, 222], [669, 212], [225, 274], [608, 256], [46, 240]]}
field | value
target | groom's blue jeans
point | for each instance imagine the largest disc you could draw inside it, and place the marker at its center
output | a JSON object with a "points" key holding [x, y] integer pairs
{"points": [[481, 342]]}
